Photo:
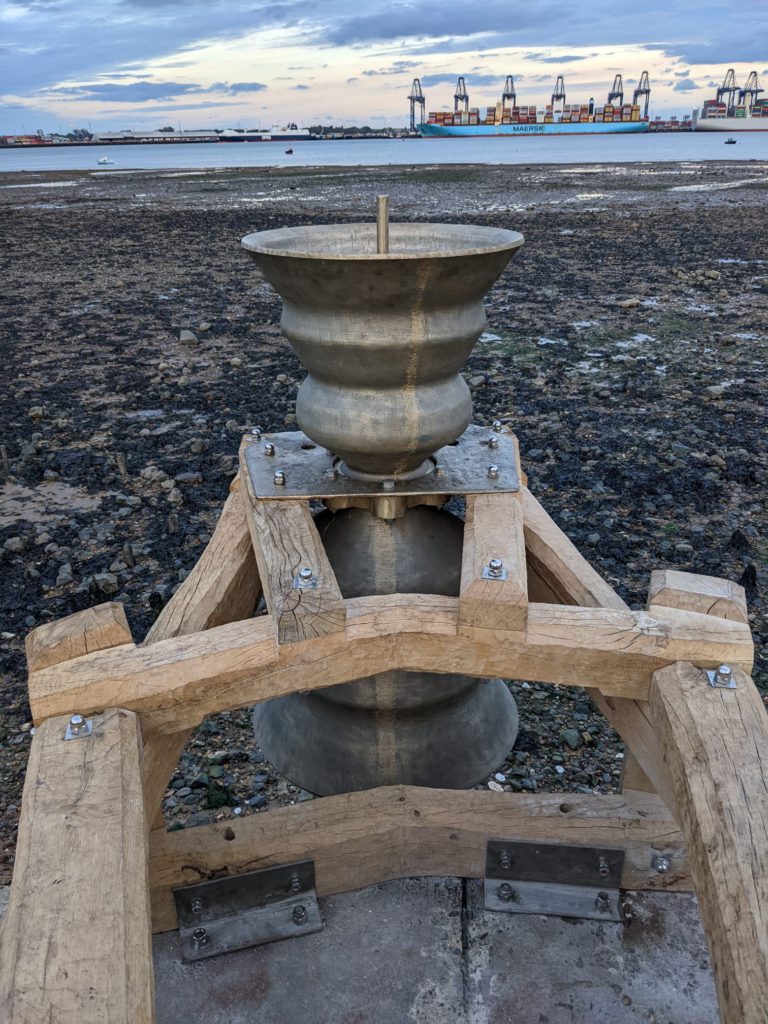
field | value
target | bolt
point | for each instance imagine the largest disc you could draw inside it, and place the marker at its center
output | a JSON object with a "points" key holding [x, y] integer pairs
{"points": [[602, 903], [295, 884], [76, 724], [495, 566], [279, 478], [196, 906], [724, 675], [505, 892], [387, 485], [269, 448], [661, 864], [256, 433], [331, 473], [493, 442], [299, 914], [305, 573], [493, 471], [496, 426], [200, 938], [505, 861], [603, 868]]}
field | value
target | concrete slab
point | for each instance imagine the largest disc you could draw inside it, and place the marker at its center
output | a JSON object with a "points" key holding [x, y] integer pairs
{"points": [[424, 951]]}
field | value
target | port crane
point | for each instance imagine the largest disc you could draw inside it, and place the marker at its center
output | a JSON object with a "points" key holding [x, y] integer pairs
{"points": [[643, 89], [416, 98], [751, 89], [461, 95], [617, 92], [509, 92], [558, 93], [728, 88]]}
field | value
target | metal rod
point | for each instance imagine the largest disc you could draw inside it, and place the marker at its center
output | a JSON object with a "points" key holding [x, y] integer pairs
{"points": [[382, 224]]}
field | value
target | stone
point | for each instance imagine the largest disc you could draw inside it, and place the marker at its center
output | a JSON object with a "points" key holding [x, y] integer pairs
{"points": [[106, 582], [36, 412], [65, 574], [204, 327], [572, 738], [188, 337], [628, 303], [15, 545]]}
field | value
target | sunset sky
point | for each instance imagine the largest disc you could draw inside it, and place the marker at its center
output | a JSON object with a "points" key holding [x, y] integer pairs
{"points": [[148, 63]]}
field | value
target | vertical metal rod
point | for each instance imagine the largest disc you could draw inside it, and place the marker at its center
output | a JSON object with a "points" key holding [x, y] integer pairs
{"points": [[382, 224]]}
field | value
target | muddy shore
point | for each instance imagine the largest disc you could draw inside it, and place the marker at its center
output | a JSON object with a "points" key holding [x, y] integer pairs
{"points": [[626, 345]]}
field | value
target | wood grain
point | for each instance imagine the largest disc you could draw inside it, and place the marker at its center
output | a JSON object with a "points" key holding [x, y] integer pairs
{"points": [[493, 528], [93, 629], [709, 595], [715, 745], [75, 943], [359, 839]]}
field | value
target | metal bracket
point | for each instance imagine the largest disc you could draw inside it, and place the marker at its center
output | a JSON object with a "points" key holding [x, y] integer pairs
{"points": [[236, 912], [78, 727], [550, 878], [721, 678], [494, 571]]}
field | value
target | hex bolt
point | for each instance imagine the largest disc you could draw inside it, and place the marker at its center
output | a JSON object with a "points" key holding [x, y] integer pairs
{"points": [[602, 868], [305, 573], [331, 473], [269, 448], [661, 864], [505, 892], [76, 725], [256, 433], [505, 861], [724, 675], [200, 938], [602, 903], [493, 471], [299, 914], [387, 485], [295, 884], [493, 442], [279, 478], [496, 426], [495, 566], [196, 906]]}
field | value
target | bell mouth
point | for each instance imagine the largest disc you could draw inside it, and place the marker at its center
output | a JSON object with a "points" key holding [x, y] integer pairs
{"points": [[426, 468], [406, 241]]}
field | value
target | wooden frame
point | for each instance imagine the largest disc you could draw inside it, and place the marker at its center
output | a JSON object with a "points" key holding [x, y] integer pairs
{"points": [[93, 854]]}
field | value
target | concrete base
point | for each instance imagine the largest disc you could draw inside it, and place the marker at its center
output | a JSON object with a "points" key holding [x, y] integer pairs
{"points": [[425, 951]]}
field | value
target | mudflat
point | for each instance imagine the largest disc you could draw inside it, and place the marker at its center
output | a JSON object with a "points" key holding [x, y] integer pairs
{"points": [[626, 346]]}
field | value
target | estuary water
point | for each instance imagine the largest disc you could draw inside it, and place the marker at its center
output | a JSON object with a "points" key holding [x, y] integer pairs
{"points": [[585, 149]]}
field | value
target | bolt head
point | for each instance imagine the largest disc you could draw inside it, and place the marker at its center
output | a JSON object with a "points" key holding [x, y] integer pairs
{"points": [[76, 723], [493, 472], [279, 478], [269, 448], [299, 914], [724, 674], [602, 903], [200, 938], [661, 864], [387, 485], [496, 426], [493, 442], [505, 892], [256, 433], [495, 566], [305, 573], [331, 473]]}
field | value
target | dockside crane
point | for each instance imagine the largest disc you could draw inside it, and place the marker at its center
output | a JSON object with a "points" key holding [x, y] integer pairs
{"points": [[416, 99], [509, 92], [728, 88], [461, 95], [558, 93], [643, 89], [751, 89], [617, 92]]}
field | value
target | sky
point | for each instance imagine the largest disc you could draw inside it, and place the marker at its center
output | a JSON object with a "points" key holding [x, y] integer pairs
{"points": [[113, 64]]}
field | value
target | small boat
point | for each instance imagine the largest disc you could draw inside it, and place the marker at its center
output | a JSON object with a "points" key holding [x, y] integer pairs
{"points": [[289, 152], [104, 160], [730, 142]]}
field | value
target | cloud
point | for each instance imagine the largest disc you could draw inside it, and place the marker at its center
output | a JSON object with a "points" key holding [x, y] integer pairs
{"points": [[398, 68], [685, 85], [450, 76], [146, 92], [566, 58]]}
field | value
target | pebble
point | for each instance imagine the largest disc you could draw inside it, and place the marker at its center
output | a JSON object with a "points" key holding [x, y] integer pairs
{"points": [[628, 303], [188, 337], [15, 545], [495, 786], [572, 738], [106, 582]]}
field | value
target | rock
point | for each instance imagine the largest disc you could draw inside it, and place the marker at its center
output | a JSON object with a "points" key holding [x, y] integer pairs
{"points": [[204, 327], [683, 548], [36, 412], [495, 786], [259, 800], [175, 497], [15, 545], [65, 575], [593, 539], [477, 380], [628, 303], [572, 738], [235, 361], [714, 391], [188, 337], [106, 582], [215, 771]]}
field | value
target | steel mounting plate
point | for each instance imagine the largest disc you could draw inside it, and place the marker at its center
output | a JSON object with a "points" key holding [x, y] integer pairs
{"points": [[460, 468], [551, 878], [239, 911]]}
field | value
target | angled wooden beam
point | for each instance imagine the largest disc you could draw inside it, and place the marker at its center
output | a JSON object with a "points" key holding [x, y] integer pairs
{"points": [[709, 595], [174, 683], [715, 744], [222, 587], [359, 839], [493, 530], [93, 629], [75, 944]]}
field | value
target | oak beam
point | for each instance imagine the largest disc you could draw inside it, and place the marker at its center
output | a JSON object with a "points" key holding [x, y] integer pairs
{"points": [[710, 595], [93, 629], [75, 944], [493, 529], [715, 745], [360, 839]]}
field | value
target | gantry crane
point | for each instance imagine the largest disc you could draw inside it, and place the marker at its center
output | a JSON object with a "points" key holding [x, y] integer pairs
{"points": [[461, 95], [509, 91], [728, 88], [751, 89], [416, 98], [643, 89], [558, 93], [617, 92]]}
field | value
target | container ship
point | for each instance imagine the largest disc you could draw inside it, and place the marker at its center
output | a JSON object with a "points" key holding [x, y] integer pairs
{"points": [[734, 109], [555, 118], [291, 133]]}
